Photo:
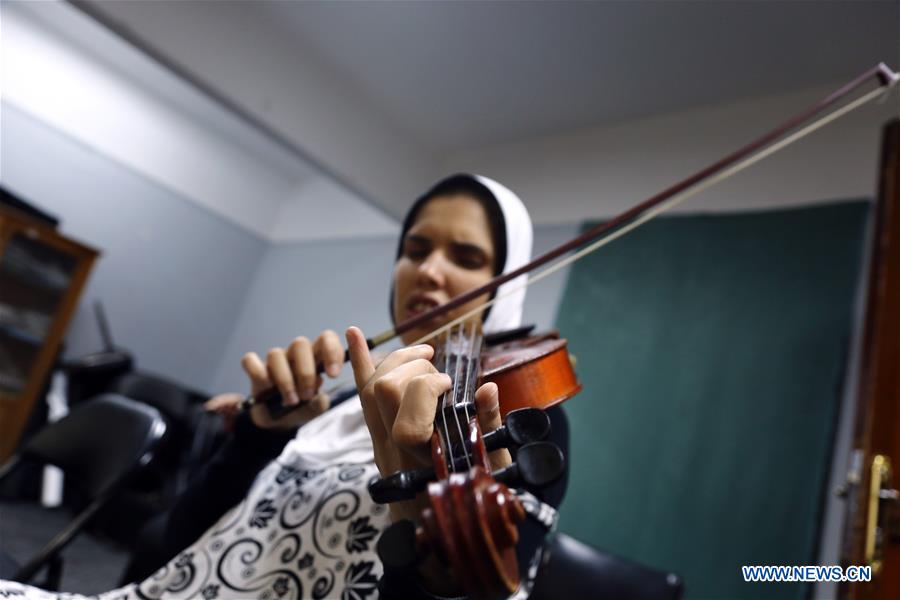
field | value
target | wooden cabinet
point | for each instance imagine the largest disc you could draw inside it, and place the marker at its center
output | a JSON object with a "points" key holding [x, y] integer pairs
{"points": [[42, 274]]}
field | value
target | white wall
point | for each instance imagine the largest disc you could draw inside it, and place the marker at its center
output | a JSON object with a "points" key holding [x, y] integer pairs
{"points": [[171, 275], [600, 171], [322, 211], [52, 79], [253, 59], [67, 71]]}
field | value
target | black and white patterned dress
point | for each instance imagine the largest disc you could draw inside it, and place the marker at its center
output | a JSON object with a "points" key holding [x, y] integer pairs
{"points": [[306, 529]]}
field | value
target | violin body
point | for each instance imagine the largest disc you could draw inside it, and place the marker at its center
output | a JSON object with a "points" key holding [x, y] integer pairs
{"points": [[532, 371]]}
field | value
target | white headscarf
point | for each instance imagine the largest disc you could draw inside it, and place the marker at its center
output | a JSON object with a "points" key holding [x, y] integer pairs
{"points": [[517, 231], [507, 312]]}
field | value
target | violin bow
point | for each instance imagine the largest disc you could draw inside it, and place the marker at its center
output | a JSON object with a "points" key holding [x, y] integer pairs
{"points": [[800, 125]]}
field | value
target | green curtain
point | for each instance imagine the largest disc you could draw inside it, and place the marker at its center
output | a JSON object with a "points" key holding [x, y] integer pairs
{"points": [[712, 351]]}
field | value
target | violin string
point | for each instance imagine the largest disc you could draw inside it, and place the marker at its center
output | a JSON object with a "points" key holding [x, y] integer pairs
{"points": [[443, 409], [467, 387], [471, 354], [663, 207], [475, 367], [459, 339]]}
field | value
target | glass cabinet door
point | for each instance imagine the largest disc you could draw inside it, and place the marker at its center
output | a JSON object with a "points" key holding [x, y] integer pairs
{"points": [[34, 278]]}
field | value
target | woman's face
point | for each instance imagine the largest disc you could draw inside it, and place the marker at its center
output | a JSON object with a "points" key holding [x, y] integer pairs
{"points": [[447, 251]]}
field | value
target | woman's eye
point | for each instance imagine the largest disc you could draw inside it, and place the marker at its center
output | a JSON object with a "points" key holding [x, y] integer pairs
{"points": [[415, 250], [471, 259]]}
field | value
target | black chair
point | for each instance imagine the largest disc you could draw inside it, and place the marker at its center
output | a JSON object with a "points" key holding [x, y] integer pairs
{"points": [[98, 445], [575, 570], [193, 433]]}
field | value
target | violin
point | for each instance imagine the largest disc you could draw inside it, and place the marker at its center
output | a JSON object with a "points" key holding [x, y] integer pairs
{"points": [[472, 515]]}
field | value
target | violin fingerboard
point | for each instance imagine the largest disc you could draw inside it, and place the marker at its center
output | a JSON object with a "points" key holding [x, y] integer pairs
{"points": [[459, 356]]}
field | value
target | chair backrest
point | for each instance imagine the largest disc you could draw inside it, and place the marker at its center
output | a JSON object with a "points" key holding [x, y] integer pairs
{"points": [[576, 570], [173, 400], [99, 442]]}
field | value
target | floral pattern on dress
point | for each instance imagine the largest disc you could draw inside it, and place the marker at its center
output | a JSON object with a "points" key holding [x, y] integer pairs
{"points": [[323, 547], [360, 582], [263, 511], [359, 534], [325, 517]]}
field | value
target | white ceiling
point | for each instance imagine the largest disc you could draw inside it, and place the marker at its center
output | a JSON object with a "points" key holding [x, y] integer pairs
{"points": [[72, 74], [459, 75], [380, 95]]}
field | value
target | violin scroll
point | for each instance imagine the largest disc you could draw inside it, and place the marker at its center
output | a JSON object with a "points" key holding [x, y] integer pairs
{"points": [[472, 525], [472, 518]]}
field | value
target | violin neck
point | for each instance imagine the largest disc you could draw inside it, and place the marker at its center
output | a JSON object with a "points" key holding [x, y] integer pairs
{"points": [[459, 356]]}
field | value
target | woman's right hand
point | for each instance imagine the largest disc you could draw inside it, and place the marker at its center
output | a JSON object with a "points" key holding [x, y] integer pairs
{"points": [[293, 371]]}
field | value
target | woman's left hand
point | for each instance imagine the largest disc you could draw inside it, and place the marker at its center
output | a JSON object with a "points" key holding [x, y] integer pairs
{"points": [[399, 400]]}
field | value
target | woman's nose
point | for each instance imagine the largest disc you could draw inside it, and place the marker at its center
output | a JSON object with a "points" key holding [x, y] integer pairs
{"points": [[430, 273]]}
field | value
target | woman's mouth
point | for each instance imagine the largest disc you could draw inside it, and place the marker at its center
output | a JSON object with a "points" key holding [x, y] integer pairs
{"points": [[418, 305]]}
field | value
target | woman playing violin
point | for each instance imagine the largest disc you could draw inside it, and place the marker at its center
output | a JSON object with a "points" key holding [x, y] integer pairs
{"points": [[307, 527]]}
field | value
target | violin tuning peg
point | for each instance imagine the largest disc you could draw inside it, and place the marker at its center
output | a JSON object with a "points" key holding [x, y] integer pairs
{"points": [[522, 426], [537, 464], [528, 425], [397, 546], [540, 463], [402, 485]]}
